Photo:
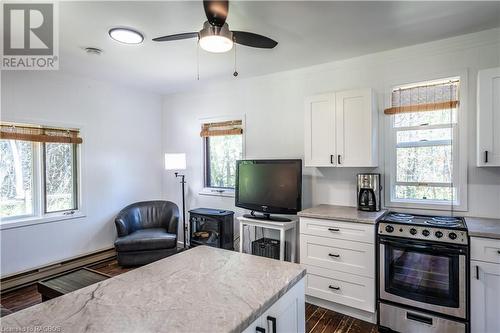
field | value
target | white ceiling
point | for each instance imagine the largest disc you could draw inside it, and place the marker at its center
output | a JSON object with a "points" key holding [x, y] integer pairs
{"points": [[308, 33]]}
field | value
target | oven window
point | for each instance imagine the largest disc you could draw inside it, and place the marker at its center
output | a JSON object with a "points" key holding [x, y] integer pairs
{"points": [[422, 276]]}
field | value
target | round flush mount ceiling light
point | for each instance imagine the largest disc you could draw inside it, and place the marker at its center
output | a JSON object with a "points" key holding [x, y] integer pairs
{"points": [[126, 35], [216, 39]]}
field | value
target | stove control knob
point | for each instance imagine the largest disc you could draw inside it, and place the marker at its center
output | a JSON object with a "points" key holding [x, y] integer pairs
{"points": [[413, 231], [438, 234], [452, 235], [389, 228], [426, 232]]}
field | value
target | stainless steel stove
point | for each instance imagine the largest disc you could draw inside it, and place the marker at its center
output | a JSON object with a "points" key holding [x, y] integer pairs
{"points": [[422, 272], [433, 228]]}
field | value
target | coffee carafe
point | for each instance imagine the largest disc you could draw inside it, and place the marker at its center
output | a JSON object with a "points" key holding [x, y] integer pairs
{"points": [[369, 189]]}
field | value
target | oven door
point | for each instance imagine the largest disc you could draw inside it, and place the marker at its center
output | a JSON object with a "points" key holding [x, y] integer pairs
{"points": [[424, 275]]}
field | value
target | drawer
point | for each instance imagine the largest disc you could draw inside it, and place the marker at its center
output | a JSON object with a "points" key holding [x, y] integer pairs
{"points": [[354, 291], [355, 231], [338, 254], [485, 249]]}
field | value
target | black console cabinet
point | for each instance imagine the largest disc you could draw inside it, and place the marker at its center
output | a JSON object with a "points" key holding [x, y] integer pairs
{"points": [[211, 227]]}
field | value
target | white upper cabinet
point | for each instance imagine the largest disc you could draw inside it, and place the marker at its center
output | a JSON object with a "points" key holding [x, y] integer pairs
{"points": [[488, 117], [341, 129], [320, 130]]}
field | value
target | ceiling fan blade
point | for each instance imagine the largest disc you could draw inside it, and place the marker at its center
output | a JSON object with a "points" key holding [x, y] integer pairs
{"points": [[185, 35], [216, 11], [253, 40]]}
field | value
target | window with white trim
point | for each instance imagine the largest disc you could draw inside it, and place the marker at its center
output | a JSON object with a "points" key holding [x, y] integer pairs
{"points": [[223, 146], [38, 172], [423, 141]]}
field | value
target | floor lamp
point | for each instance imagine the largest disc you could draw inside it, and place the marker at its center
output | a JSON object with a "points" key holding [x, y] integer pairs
{"points": [[178, 162]]}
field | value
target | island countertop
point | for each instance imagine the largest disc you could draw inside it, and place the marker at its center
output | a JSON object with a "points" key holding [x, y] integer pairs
{"points": [[200, 290], [342, 213]]}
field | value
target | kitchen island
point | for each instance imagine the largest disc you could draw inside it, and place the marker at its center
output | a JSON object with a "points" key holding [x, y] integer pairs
{"points": [[200, 290]]}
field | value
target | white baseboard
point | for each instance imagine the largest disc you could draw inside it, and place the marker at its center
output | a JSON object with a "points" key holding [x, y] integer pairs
{"points": [[346, 310]]}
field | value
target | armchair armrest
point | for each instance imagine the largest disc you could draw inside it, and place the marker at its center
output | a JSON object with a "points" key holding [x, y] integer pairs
{"points": [[121, 227]]}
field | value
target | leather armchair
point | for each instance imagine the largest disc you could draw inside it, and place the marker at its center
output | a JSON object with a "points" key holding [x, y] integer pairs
{"points": [[147, 231]]}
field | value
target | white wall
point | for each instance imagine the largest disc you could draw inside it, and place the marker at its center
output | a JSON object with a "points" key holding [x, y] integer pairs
{"points": [[273, 106], [121, 159]]}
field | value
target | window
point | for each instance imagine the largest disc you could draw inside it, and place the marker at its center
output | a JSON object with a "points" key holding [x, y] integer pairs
{"points": [[60, 176], [425, 169], [38, 172], [223, 146]]}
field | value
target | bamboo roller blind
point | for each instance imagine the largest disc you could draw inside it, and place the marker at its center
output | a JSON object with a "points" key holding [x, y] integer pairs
{"points": [[423, 98], [39, 134], [233, 127]]}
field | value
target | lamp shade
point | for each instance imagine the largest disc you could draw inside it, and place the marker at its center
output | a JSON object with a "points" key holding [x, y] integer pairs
{"points": [[175, 161]]}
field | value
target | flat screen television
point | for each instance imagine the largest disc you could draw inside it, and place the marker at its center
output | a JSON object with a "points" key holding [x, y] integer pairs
{"points": [[269, 187]]}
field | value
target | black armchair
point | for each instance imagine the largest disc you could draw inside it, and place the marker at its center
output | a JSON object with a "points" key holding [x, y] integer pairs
{"points": [[147, 231]]}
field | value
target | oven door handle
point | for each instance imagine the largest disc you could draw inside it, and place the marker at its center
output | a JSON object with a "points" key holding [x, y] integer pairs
{"points": [[425, 247]]}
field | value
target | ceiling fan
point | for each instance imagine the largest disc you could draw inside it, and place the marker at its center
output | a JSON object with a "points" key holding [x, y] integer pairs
{"points": [[216, 36]]}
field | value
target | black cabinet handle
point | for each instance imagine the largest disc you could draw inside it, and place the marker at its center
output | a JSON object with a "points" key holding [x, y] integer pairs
{"points": [[477, 272], [498, 251], [338, 159], [273, 323], [486, 156], [333, 229], [334, 255], [260, 330], [419, 318], [331, 159], [333, 287]]}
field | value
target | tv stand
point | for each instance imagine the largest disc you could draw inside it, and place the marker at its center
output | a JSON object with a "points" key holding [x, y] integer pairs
{"points": [[284, 228], [266, 216]]}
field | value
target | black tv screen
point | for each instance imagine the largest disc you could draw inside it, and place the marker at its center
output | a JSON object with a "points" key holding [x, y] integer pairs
{"points": [[269, 186]]}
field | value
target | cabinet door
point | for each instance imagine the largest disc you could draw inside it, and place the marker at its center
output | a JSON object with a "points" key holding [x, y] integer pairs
{"points": [[319, 131], [485, 297], [488, 121], [356, 132], [287, 315]]}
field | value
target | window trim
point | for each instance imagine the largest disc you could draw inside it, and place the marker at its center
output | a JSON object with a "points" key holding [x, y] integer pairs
{"points": [[460, 162], [219, 191], [39, 216]]}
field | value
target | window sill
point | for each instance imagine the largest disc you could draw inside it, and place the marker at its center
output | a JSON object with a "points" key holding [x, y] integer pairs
{"points": [[426, 206], [217, 192], [24, 222]]}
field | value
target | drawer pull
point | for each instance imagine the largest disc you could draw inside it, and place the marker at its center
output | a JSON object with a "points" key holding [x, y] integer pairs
{"points": [[419, 318], [333, 287], [498, 251], [334, 229], [334, 255]]}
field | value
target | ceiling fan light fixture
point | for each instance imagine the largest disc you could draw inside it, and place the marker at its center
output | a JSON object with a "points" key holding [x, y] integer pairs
{"points": [[216, 39], [126, 35]]}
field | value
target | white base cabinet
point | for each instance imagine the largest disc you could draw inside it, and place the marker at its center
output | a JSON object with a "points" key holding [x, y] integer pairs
{"points": [[340, 261], [287, 315], [341, 129], [485, 285]]}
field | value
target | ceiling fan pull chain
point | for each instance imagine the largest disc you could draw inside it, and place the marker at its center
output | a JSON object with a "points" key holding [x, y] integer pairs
{"points": [[198, 60], [235, 73]]}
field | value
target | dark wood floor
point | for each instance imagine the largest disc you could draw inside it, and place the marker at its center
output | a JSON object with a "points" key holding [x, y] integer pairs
{"points": [[318, 320]]}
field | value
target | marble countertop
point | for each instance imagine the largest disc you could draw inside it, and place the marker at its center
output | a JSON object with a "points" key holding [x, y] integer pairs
{"points": [[342, 213], [200, 290], [483, 227]]}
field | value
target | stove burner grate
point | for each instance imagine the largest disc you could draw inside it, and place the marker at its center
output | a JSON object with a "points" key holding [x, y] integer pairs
{"points": [[443, 221], [401, 217]]}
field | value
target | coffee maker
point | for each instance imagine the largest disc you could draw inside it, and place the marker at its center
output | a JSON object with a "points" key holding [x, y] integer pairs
{"points": [[369, 190]]}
